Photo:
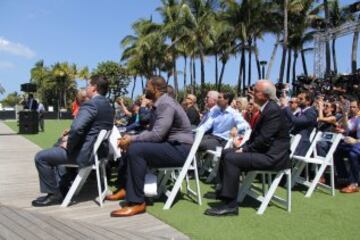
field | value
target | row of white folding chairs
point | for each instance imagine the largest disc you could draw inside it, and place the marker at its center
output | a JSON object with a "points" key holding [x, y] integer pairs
{"points": [[320, 163]]}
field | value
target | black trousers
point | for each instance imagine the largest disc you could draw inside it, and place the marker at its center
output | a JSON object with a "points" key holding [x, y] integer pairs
{"points": [[142, 155], [233, 163], [210, 142], [47, 163]]}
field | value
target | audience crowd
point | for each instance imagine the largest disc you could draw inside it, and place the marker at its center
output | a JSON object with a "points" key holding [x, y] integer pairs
{"points": [[158, 131]]}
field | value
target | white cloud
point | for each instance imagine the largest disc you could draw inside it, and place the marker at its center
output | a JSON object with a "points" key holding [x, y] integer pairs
{"points": [[6, 65], [16, 48]]}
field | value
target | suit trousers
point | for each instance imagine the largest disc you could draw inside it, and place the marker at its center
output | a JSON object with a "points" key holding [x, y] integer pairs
{"points": [[47, 162], [142, 155], [210, 142], [233, 163]]}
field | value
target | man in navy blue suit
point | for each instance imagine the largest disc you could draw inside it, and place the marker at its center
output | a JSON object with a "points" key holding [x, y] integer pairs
{"points": [[94, 115], [303, 123]]}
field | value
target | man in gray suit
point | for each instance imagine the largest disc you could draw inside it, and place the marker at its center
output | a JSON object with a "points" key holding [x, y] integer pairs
{"points": [[94, 115]]}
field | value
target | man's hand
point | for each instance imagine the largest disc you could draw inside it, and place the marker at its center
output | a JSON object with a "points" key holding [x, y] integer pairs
{"points": [[237, 142], [233, 132], [64, 145], [240, 150], [350, 140], [124, 142]]}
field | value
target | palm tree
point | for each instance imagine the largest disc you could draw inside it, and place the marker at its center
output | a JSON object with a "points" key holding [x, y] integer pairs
{"points": [[198, 19], [40, 76], [173, 28], [354, 49], [2, 89]]}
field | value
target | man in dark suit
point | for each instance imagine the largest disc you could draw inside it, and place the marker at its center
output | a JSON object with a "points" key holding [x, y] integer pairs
{"points": [[303, 122], [31, 103], [267, 149], [94, 115]]}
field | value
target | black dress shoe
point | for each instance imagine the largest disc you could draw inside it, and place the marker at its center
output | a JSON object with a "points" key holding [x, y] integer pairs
{"points": [[223, 210], [50, 199]]}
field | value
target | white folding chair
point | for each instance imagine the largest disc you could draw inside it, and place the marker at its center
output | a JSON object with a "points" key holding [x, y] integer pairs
{"points": [[190, 164], [113, 138], [248, 188], [216, 154], [320, 163], [98, 166]]}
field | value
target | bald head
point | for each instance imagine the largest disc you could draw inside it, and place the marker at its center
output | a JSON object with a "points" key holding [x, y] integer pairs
{"points": [[264, 90]]}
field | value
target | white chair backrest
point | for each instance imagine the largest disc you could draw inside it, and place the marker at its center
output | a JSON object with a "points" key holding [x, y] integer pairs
{"points": [[312, 135], [333, 138], [102, 136], [294, 142], [199, 133], [114, 136]]}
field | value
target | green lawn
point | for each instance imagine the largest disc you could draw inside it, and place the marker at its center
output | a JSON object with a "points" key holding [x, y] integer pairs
{"points": [[320, 217]]}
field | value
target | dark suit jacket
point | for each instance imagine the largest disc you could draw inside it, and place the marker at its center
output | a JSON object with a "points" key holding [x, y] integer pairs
{"points": [[34, 105], [94, 115], [270, 136], [302, 124]]}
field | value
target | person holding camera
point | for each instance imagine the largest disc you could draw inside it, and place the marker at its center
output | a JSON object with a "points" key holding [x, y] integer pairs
{"points": [[350, 148]]}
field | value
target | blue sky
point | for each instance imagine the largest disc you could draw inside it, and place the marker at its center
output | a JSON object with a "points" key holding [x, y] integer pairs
{"points": [[87, 32]]}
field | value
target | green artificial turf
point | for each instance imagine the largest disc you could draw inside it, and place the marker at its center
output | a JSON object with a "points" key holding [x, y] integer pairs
{"points": [[46, 139], [318, 217]]}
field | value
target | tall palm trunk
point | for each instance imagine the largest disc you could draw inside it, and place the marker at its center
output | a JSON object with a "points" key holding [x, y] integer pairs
{"points": [[355, 44], [288, 66], [202, 72], [133, 88], [282, 66], [216, 70], [176, 84], [142, 83], [256, 53], [185, 68], [238, 90], [303, 60], [243, 67], [334, 54], [328, 57], [249, 58], [272, 58], [191, 74], [194, 74], [221, 75], [294, 65]]}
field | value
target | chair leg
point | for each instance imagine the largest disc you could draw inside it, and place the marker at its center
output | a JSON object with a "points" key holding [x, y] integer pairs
{"points": [[332, 178], [245, 186], [197, 181], [315, 181], [177, 184], [270, 193], [298, 168], [288, 187], [85, 174], [76, 186]]}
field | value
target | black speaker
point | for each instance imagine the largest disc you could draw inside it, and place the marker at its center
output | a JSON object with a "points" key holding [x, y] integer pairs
{"points": [[28, 122], [28, 87]]}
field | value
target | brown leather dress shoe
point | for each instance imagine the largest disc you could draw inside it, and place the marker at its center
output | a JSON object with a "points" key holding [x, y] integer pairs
{"points": [[130, 210], [350, 189], [120, 195]]}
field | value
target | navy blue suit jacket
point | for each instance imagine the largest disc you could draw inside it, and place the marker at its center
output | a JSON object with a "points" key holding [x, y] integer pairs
{"points": [[94, 115], [302, 124]]}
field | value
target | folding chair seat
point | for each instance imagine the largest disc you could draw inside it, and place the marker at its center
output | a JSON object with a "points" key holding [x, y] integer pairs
{"points": [[320, 163], [166, 174], [83, 173], [248, 188], [213, 165]]}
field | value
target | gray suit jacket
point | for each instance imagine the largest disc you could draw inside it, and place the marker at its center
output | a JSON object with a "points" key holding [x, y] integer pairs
{"points": [[94, 115]]}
